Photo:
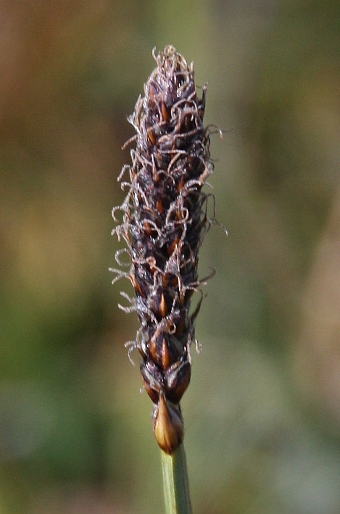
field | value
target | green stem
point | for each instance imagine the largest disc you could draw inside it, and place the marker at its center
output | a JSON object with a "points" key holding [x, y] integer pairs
{"points": [[176, 482]]}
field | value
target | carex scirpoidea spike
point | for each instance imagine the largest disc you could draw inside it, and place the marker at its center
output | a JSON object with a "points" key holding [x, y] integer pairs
{"points": [[164, 220]]}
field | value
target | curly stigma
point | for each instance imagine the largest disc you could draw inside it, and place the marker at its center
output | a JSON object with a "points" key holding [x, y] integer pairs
{"points": [[163, 224]]}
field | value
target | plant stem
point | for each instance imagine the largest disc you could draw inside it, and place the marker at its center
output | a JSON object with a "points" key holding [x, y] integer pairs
{"points": [[176, 482]]}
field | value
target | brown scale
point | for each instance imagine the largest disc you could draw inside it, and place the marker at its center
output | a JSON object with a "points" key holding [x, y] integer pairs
{"points": [[172, 383], [177, 380], [164, 350], [168, 425]]}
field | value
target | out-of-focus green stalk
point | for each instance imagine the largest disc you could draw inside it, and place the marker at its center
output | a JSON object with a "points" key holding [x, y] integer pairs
{"points": [[176, 482]]}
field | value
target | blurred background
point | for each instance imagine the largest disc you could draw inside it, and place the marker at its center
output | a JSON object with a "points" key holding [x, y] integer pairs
{"points": [[262, 413]]}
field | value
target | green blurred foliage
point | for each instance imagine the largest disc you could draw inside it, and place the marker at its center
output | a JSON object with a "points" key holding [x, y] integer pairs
{"points": [[263, 411]]}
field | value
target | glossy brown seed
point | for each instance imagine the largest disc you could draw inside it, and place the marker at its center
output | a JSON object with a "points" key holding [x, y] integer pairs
{"points": [[159, 206], [164, 111], [163, 310]]}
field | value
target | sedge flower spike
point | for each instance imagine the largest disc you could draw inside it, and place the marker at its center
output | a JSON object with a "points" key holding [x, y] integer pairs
{"points": [[164, 220]]}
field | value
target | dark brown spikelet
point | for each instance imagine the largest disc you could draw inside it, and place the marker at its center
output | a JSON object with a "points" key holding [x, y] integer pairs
{"points": [[163, 225]]}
